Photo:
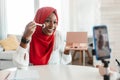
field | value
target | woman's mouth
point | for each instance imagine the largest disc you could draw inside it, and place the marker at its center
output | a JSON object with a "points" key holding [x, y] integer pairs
{"points": [[50, 30]]}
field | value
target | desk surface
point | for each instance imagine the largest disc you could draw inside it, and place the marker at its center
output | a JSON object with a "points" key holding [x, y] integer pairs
{"points": [[56, 72]]}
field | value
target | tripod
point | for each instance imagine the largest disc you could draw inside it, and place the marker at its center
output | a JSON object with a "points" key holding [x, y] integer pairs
{"points": [[107, 75]]}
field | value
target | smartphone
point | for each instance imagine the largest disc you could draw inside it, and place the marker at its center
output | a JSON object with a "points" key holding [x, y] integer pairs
{"points": [[101, 42]]}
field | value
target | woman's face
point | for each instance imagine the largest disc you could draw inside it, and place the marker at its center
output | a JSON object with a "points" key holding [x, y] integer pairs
{"points": [[50, 24]]}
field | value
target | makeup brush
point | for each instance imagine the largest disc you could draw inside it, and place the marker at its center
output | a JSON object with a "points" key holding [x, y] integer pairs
{"points": [[41, 25]]}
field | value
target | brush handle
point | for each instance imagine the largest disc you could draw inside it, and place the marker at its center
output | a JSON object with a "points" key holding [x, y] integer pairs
{"points": [[41, 25], [38, 24]]}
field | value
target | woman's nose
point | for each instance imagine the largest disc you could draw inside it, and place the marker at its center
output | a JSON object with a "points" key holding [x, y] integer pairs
{"points": [[51, 24]]}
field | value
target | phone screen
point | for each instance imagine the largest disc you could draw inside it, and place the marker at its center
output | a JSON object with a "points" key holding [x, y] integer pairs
{"points": [[101, 42]]}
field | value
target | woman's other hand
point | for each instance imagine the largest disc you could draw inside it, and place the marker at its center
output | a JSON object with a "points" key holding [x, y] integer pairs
{"points": [[29, 30], [102, 70], [66, 52]]}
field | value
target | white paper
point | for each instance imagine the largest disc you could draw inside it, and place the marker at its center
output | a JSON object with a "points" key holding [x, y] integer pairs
{"points": [[25, 75], [4, 74]]}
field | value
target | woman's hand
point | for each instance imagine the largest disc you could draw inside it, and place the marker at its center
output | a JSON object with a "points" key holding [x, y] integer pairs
{"points": [[66, 52], [29, 30], [102, 70]]}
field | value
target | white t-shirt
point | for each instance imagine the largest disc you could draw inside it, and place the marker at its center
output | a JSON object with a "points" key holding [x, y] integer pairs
{"points": [[57, 56]]}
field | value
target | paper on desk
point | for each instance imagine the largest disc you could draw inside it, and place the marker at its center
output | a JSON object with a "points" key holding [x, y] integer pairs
{"points": [[4, 75], [25, 75]]}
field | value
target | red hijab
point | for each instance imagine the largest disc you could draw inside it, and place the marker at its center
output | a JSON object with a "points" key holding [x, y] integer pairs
{"points": [[41, 45]]}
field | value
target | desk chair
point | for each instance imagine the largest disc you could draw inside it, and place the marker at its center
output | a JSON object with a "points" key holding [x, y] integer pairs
{"points": [[78, 41]]}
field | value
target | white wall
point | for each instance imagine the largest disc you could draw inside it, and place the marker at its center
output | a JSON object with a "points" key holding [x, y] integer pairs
{"points": [[110, 15], [84, 14]]}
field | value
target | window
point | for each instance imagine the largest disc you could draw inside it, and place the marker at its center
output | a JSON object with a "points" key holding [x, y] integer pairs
{"points": [[19, 13]]}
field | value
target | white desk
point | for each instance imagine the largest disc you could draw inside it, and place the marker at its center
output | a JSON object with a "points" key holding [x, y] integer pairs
{"points": [[59, 72]]}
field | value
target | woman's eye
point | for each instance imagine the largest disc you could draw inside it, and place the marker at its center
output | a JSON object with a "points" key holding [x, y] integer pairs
{"points": [[55, 22], [47, 21]]}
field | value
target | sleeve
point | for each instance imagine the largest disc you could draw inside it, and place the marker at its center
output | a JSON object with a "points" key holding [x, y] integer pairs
{"points": [[21, 58], [65, 59]]}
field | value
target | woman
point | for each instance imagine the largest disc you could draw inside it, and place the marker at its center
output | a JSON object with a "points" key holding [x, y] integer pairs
{"points": [[46, 43], [103, 48]]}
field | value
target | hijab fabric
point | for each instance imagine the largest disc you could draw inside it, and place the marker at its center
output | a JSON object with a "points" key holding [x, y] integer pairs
{"points": [[41, 45]]}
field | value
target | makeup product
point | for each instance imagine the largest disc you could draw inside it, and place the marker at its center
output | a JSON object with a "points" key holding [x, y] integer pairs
{"points": [[41, 25]]}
